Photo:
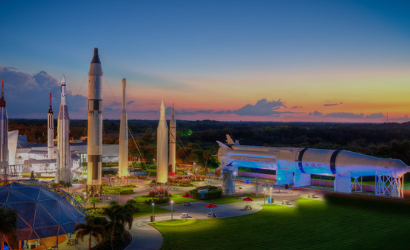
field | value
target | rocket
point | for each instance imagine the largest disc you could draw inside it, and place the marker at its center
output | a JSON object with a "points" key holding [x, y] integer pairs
{"points": [[172, 141], [4, 151], [123, 140], [50, 132], [162, 147], [63, 138], [94, 140]]}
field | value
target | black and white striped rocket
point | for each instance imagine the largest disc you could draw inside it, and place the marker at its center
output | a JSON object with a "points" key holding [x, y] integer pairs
{"points": [[162, 147], [4, 151], [172, 141], [123, 139], [63, 172], [94, 140], [50, 131]]}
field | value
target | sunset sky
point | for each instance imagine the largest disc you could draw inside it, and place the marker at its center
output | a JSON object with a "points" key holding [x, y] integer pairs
{"points": [[331, 61]]}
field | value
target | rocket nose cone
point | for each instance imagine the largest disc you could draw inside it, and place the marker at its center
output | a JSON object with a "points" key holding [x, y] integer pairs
{"points": [[63, 80]]}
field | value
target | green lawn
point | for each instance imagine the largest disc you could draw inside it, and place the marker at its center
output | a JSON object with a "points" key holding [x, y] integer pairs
{"points": [[116, 190], [313, 225]]}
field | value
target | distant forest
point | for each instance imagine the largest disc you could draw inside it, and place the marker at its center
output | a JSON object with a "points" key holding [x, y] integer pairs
{"points": [[197, 139]]}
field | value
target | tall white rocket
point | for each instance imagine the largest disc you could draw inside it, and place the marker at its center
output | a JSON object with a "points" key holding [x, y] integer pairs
{"points": [[4, 124], [172, 140], [50, 131], [94, 140], [63, 139], [162, 147], [123, 140]]}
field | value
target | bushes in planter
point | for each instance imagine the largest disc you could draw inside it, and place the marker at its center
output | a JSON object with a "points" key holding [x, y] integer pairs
{"points": [[213, 194], [127, 192]]}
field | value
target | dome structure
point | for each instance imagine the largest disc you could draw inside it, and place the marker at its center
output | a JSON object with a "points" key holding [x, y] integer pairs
{"points": [[41, 211]]}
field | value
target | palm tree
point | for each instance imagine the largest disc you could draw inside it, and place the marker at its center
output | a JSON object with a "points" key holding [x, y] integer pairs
{"points": [[8, 225], [119, 216], [92, 228]]}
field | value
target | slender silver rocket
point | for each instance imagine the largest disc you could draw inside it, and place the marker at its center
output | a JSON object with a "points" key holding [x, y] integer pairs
{"points": [[172, 140], [4, 123], [94, 140], [63, 138], [123, 140], [162, 147], [50, 131]]}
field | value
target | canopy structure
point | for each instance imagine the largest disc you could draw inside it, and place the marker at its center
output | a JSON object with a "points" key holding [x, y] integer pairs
{"points": [[41, 211]]}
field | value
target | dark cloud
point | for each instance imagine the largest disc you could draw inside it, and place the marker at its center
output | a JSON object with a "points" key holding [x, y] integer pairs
{"points": [[345, 115], [375, 115], [316, 113], [27, 96], [296, 107], [332, 104], [261, 108]]}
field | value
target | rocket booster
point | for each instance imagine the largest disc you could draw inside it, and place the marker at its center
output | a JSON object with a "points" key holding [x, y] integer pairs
{"points": [[172, 141], [50, 132], [63, 138], [162, 147], [4, 151], [307, 160], [123, 140], [94, 143]]}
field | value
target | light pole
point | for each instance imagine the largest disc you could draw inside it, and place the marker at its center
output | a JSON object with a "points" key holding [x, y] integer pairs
{"points": [[153, 204], [234, 177], [279, 185], [172, 210], [264, 189], [270, 190], [195, 167]]}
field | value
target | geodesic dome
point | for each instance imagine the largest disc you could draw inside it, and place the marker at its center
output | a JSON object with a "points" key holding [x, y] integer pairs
{"points": [[41, 211]]}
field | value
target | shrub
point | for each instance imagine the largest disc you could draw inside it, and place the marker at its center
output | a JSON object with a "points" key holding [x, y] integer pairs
{"points": [[126, 192], [96, 211], [195, 194], [159, 200], [213, 194], [131, 185], [78, 199]]}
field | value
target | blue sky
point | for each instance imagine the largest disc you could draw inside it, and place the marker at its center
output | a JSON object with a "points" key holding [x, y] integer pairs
{"points": [[172, 50]]}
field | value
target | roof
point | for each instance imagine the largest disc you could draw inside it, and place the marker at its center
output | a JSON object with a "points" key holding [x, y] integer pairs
{"points": [[41, 211]]}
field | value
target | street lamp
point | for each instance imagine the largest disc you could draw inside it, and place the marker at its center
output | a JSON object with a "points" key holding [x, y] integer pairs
{"points": [[172, 210], [234, 177], [270, 190], [279, 185], [195, 167], [153, 204], [264, 189]]}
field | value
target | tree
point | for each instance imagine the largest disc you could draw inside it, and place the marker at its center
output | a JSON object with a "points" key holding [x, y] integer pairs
{"points": [[92, 228], [66, 184], [207, 155], [93, 201], [119, 216], [8, 225]]}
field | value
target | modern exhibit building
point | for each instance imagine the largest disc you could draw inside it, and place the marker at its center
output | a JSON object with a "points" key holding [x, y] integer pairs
{"points": [[43, 213], [295, 166]]}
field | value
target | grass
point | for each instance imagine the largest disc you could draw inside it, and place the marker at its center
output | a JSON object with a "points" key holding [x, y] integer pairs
{"points": [[116, 190], [313, 225]]}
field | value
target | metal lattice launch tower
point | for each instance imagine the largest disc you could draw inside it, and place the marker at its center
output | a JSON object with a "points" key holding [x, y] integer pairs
{"points": [[94, 140], [63, 139], [50, 132], [4, 124], [172, 141], [123, 140], [162, 147]]}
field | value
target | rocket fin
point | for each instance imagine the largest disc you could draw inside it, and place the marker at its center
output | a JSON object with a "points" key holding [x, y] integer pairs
{"points": [[221, 144], [229, 140]]}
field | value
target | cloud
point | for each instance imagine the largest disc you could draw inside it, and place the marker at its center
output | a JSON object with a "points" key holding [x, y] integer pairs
{"points": [[345, 115], [316, 113], [261, 108], [27, 96], [332, 104], [375, 115], [131, 102], [296, 107]]}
